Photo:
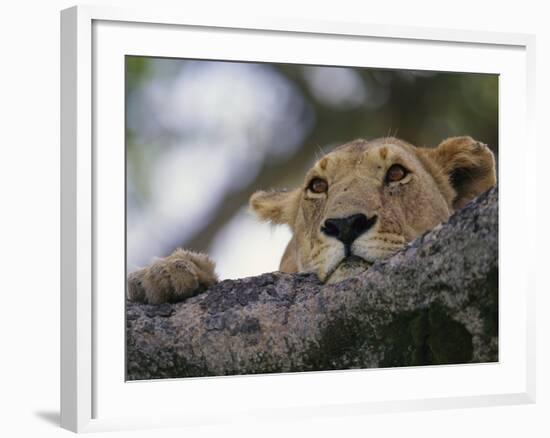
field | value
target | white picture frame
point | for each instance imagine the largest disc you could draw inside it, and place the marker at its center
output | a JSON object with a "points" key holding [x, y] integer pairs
{"points": [[93, 395]]}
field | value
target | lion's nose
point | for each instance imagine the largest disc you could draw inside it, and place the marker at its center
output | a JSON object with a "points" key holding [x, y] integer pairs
{"points": [[347, 229]]}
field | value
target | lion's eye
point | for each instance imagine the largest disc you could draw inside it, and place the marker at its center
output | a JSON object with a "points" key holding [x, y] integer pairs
{"points": [[318, 185], [396, 173]]}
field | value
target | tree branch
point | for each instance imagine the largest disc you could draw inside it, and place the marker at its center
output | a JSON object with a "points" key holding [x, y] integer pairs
{"points": [[435, 302]]}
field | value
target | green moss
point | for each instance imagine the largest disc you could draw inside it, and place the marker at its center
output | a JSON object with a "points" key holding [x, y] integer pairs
{"points": [[489, 308], [339, 341], [425, 337], [403, 342], [448, 341]]}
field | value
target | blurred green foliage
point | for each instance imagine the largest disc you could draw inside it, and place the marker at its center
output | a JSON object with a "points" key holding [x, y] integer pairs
{"points": [[420, 107]]}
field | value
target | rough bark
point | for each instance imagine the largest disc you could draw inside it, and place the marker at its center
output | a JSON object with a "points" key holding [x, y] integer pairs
{"points": [[435, 302]]}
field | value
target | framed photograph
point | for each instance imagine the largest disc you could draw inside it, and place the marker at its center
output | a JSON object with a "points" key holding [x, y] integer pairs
{"points": [[269, 219]]}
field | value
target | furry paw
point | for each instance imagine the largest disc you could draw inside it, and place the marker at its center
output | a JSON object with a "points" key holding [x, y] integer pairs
{"points": [[170, 279]]}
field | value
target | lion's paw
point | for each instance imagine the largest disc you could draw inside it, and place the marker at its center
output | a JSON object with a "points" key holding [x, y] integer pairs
{"points": [[170, 279]]}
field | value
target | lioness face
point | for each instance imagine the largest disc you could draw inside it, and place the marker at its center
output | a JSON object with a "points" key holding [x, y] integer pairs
{"points": [[366, 199]]}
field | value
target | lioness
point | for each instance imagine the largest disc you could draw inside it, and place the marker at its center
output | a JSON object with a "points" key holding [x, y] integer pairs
{"points": [[361, 202]]}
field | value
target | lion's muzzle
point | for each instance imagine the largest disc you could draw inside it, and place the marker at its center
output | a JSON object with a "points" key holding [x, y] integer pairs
{"points": [[347, 229]]}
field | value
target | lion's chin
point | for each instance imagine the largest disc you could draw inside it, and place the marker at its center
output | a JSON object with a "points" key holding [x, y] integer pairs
{"points": [[348, 267]]}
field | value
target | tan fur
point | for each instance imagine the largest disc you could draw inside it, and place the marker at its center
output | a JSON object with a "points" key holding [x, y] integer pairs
{"points": [[440, 180], [174, 278]]}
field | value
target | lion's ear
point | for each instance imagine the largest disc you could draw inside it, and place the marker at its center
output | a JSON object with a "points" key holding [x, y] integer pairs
{"points": [[278, 207], [468, 164]]}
